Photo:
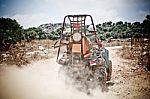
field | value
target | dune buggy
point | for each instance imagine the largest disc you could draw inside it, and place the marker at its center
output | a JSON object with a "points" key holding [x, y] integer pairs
{"points": [[80, 47]]}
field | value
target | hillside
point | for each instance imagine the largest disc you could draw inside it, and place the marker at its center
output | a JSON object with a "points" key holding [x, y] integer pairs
{"points": [[49, 27]]}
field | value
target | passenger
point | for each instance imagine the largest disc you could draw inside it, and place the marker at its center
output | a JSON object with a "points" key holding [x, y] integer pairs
{"points": [[95, 40], [105, 52]]}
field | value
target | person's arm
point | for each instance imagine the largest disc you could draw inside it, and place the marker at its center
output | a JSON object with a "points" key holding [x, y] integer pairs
{"points": [[99, 43]]}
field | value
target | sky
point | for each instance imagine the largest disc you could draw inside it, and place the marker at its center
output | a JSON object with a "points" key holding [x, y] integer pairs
{"points": [[32, 13]]}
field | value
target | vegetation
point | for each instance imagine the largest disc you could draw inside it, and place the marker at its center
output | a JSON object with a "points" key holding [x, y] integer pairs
{"points": [[11, 32], [124, 29], [37, 33]]}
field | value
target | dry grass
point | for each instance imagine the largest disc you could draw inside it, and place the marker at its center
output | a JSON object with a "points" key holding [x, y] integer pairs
{"points": [[125, 52], [17, 55], [35, 43], [116, 43]]}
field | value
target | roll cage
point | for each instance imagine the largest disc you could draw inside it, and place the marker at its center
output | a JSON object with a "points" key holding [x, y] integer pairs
{"points": [[77, 24]]}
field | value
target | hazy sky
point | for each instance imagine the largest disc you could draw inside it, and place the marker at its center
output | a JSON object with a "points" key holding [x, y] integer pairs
{"points": [[35, 12]]}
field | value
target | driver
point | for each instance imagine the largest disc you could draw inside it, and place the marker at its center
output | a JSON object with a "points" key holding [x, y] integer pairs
{"points": [[94, 39]]}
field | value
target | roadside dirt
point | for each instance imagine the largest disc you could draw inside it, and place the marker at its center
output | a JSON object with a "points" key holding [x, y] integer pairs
{"points": [[43, 80], [130, 81]]}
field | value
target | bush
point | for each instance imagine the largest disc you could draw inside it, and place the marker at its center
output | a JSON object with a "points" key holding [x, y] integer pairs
{"points": [[10, 32]]}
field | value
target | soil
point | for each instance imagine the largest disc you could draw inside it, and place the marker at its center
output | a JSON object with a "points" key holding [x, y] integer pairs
{"points": [[43, 80], [131, 81]]}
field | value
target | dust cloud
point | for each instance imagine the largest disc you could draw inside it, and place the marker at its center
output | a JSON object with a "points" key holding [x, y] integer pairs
{"points": [[41, 80]]}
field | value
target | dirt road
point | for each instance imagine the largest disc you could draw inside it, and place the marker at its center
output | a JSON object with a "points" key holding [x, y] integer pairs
{"points": [[42, 80], [131, 81]]}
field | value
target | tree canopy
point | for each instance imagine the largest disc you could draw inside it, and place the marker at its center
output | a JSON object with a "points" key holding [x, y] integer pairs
{"points": [[124, 29], [11, 32]]}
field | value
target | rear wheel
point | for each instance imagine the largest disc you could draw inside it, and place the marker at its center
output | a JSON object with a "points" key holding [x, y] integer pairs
{"points": [[100, 77], [109, 71]]}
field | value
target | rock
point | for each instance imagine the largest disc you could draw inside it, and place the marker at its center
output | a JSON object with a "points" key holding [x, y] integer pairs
{"points": [[133, 68], [30, 53], [5, 55], [45, 51], [121, 69], [41, 48], [116, 81]]}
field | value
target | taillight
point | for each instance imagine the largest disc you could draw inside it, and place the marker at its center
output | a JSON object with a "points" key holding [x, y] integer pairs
{"points": [[93, 62]]}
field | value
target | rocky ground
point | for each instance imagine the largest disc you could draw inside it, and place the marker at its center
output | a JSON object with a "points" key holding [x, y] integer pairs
{"points": [[43, 80], [131, 81], [25, 52]]}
